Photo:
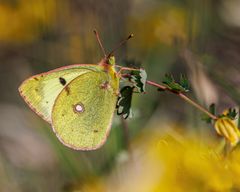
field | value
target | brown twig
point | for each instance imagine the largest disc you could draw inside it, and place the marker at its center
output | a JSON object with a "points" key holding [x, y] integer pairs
{"points": [[184, 97], [179, 94]]}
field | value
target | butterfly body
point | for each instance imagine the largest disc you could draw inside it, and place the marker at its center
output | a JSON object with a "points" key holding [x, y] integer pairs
{"points": [[77, 100]]}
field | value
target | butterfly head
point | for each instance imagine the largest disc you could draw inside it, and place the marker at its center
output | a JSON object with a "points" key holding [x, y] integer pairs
{"points": [[111, 60], [108, 62]]}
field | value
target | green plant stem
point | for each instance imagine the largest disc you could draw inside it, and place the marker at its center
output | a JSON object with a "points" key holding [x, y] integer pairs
{"points": [[184, 97]]}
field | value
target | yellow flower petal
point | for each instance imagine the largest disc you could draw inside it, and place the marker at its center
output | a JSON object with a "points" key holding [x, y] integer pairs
{"points": [[227, 128]]}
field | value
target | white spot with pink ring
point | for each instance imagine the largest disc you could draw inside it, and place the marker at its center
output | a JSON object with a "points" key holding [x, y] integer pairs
{"points": [[78, 108]]}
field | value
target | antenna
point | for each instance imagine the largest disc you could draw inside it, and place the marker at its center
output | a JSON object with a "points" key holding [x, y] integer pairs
{"points": [[120, 44], [100, 43]]}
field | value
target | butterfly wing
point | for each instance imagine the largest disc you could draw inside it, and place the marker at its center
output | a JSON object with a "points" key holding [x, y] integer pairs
{"points": [[40, 91], [82, 116]]}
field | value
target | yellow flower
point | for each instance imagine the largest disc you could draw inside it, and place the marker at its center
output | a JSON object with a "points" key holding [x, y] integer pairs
{"points": [[174, 163], [228, 129]]}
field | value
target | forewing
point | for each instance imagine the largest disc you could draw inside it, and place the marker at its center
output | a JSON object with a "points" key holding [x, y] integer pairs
{"points": [[82, 118], [40, 91]]}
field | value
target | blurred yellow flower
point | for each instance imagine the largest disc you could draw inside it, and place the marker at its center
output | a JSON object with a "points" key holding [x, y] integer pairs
{"points": [[234, 167], [22, 20], [190, 165], [173, 163], [228, 129]]}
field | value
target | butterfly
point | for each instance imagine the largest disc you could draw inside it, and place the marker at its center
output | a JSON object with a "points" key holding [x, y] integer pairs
{"points": [[77, 100]]}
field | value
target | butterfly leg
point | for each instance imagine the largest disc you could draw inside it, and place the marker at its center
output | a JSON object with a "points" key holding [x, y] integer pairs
{"points": [[126, 69], [117, 93]]}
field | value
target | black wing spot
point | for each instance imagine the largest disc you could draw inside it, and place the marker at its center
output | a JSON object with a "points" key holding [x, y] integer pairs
{"points": [[62, 81]]}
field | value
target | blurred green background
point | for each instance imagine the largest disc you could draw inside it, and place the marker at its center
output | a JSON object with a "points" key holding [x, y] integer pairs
{"points": [[197, 38]]}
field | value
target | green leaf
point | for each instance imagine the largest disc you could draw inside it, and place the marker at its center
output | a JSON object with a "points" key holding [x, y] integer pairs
{"points": [[168, 79], [139, 78], [182, 86], [232, 113], [124, 102], [170, 82], [212, 109], [184, 82], [206, 118]]}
